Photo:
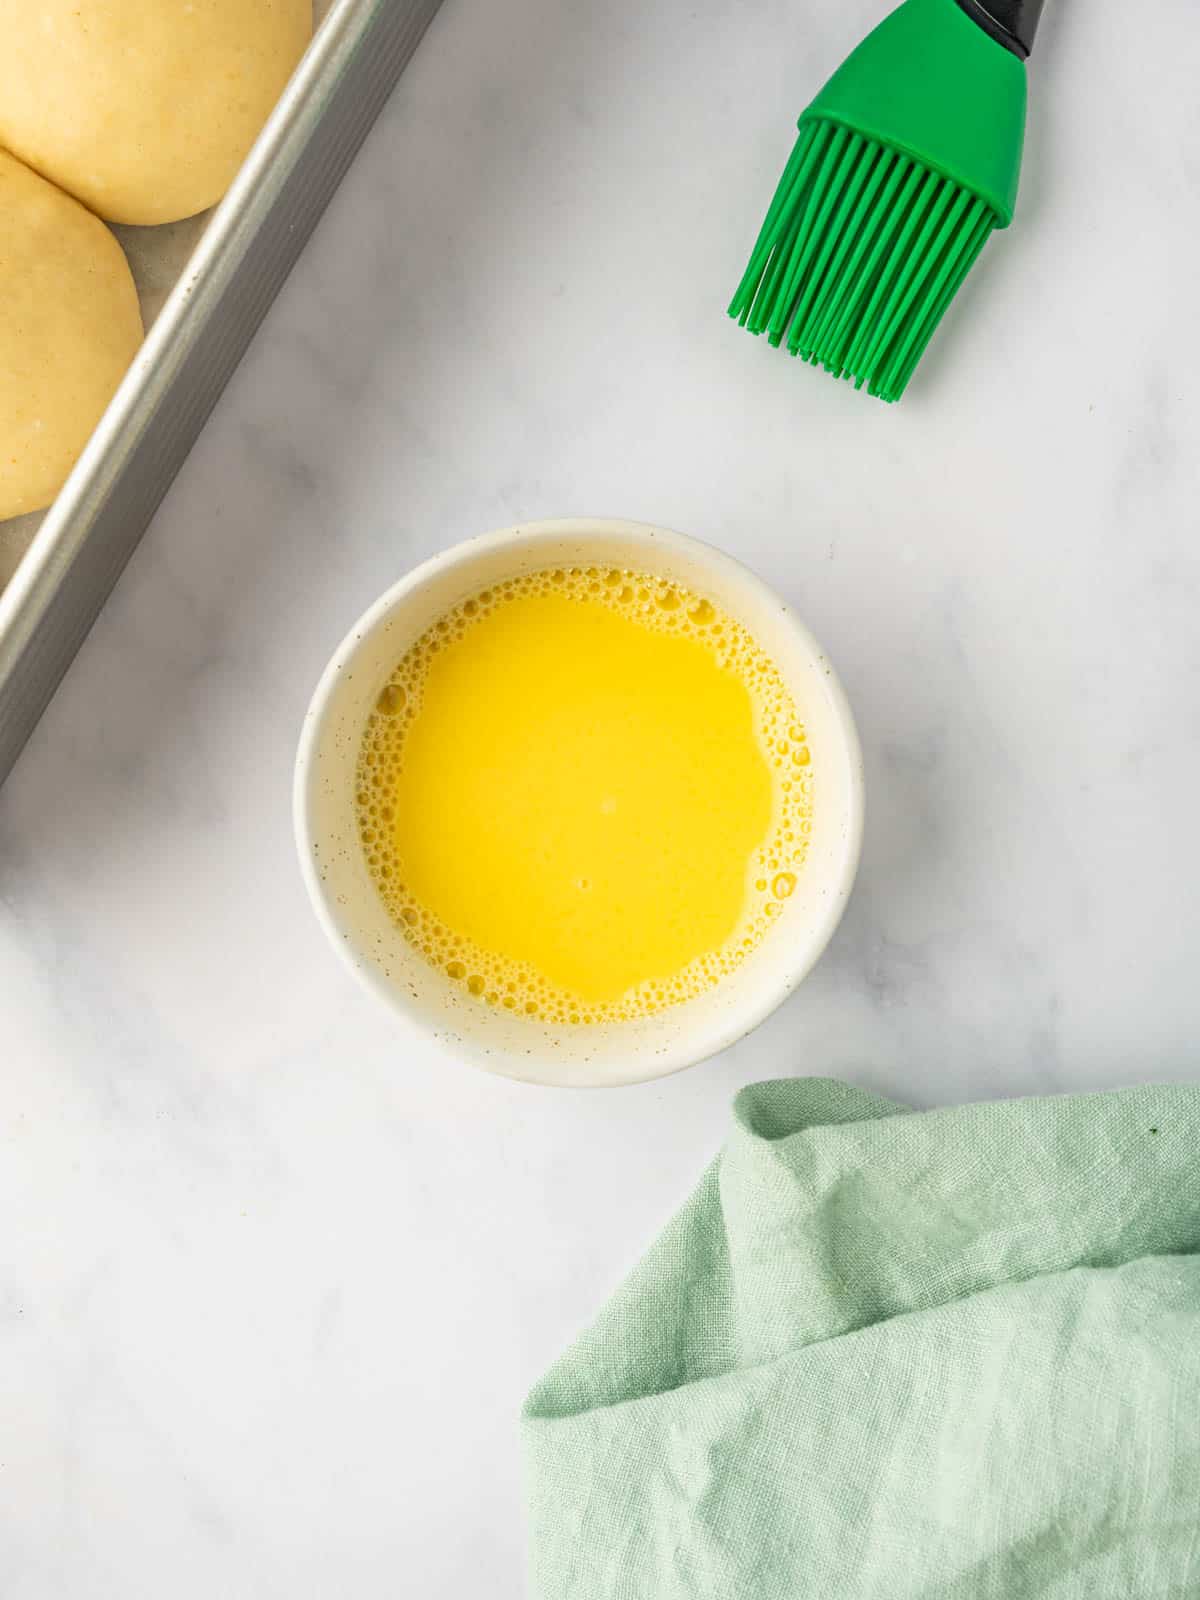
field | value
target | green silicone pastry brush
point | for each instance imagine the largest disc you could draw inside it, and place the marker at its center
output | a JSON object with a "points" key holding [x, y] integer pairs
{"points": [[906, 161]]}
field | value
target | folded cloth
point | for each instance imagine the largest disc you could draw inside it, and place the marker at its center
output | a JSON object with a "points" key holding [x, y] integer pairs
{"points": [[951, 1355]]}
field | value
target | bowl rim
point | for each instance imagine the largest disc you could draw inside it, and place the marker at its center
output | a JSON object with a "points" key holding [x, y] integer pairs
{"points": [[742, 1019]]}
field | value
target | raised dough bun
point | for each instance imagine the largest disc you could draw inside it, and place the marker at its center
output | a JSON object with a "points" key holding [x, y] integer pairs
{"points": [[143, 109], [69, 327]]}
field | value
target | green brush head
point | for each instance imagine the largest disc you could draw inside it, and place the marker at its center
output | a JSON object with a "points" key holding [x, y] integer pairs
{"points": [[906, 161]]}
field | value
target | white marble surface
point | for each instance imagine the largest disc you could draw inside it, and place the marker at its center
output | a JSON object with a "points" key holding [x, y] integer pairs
{"points": [[274, 1280]]}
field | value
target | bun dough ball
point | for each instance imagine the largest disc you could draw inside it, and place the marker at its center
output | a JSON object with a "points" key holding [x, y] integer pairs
{"points": [[69, 327], [143, 109]]}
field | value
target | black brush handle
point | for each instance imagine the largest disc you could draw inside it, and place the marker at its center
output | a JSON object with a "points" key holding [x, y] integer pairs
{"points": [[1013, 23]]}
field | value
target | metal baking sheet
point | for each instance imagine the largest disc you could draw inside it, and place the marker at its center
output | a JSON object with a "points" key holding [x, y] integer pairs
{"points": [[205, 285]]}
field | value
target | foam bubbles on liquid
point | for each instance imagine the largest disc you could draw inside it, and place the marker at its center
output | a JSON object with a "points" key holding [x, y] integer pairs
{"points": [[772, 871]]}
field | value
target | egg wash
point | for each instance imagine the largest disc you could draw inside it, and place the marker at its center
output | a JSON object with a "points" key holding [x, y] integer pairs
{"points": [[585, 795]]}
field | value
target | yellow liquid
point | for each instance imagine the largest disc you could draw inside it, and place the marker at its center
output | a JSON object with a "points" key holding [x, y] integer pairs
{"points": [[584, 795]]}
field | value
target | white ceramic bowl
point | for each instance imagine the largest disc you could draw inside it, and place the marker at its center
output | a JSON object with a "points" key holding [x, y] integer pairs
{"points": [[352, 914]]}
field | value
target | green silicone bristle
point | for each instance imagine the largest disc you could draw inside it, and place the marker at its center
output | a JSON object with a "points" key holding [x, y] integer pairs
{"points": [[907, 159], [861, 253]]}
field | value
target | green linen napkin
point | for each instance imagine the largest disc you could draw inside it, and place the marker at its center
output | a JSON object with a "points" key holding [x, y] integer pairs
{"points": [[951, 1355]]}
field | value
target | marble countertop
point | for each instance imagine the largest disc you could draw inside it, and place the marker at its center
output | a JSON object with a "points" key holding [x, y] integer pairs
{"points": [[275, 1279]]}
